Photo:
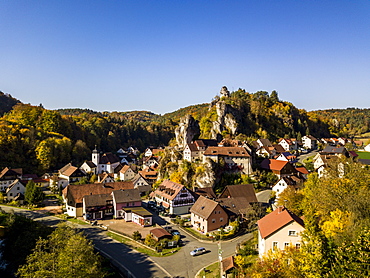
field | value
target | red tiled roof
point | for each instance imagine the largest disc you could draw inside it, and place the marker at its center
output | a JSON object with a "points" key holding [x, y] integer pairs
{"points": [[228, 263], [273, 164], [276, 220], [169, 189], [302, 170]]}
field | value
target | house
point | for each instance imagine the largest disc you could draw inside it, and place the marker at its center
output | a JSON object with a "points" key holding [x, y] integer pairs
{"points": [[207, 192], [302, 172], [194, 150], [289, 144], [133, 150], [57, 182], [333, 150], [287, 156], [367, 148], [8, 176], [175, 198], [88, 167], [278, 149], [73, 194], [105, 177], [278, 230], [236, 158], [141, 184], [266, 151], [263, 143], [323, 162], [128, 206], [14, 189], [239, 190], [227, 266], [151, 161], [149, 174], [278, 167], [71, 173], [125, 173], [208, 215], [309, 142], [237, 200], [97, 206], [104, 163], [285, 182], [152, 151], [160, 233], [342, 140]]}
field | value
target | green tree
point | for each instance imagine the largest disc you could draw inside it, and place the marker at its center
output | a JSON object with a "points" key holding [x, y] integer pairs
{"points": [[352, 259], [33, 194], [136, 235], [65, 253]]}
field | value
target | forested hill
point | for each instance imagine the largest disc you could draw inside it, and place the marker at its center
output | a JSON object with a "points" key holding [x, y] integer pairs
{"points": [[346, 122], [6, 103], [40, 140]]}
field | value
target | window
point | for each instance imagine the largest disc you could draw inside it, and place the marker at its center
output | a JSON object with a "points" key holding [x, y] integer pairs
{"points": [[297, 245], [275, 245], [221, 219], [286, 244], [213, 220], [292, 233]]}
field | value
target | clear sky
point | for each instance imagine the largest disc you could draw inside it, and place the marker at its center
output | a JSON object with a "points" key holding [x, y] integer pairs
{"points": [[163, 55]]}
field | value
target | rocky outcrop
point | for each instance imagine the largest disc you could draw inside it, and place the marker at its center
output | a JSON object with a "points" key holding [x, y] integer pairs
{"points": [[224, 92], [206, 178], [227, 116], [186, 131]]}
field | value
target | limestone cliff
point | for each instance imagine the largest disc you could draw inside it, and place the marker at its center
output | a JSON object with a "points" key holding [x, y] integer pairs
{"points": [[227, 116], [188, 128]]}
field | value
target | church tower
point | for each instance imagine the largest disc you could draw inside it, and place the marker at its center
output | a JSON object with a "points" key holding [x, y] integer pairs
{"points": [[95, 157]]}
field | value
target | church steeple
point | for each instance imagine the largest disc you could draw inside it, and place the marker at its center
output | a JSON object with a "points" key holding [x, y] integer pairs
{"points": [[95, 156]]}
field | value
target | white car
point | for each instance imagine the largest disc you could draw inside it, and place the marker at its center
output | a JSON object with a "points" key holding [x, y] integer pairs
{"points": [[198, 251]]}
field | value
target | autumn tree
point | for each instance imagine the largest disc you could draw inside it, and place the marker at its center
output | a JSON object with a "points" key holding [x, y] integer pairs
{"points": [[65, 253], [33, 194]]}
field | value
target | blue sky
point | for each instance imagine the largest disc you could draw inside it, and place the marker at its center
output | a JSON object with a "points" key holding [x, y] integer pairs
{"points": [[163, 55]]}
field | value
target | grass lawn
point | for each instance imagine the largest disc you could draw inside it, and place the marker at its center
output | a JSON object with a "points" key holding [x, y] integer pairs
{"points": [[196, 234], [309, 159], [70, 219], [363, 155], [212, 271], [142, 249]]}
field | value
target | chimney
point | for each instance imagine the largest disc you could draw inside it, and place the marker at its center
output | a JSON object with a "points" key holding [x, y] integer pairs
{"points": [[280, 209]]}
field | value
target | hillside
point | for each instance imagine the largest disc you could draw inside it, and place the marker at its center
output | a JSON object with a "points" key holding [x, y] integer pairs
{"points": [[348, 122], [6, 103], [38, 139]]}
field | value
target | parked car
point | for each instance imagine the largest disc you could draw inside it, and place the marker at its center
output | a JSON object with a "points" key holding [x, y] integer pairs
{"points": [[198, 251], [176, 233], [151, 204]]}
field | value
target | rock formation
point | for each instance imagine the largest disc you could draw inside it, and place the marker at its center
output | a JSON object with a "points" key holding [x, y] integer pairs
{"points": [[227, 116], [188, 128]]}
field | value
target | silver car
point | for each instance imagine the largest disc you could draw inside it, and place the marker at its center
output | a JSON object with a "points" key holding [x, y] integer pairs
{"points": [[198, 251]]}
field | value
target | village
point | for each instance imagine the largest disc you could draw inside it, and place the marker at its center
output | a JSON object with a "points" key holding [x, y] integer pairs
{"points": [[129, 191]]}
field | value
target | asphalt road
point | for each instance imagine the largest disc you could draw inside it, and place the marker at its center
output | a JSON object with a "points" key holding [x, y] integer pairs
{"points": [[139, 265]]}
